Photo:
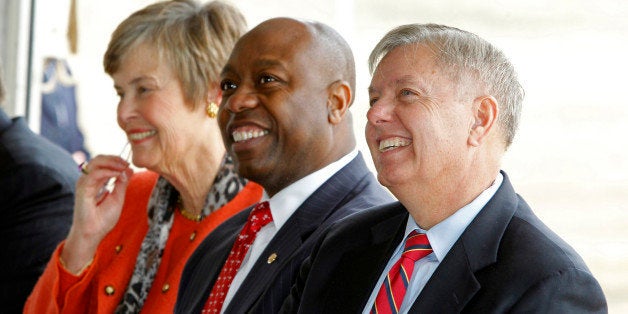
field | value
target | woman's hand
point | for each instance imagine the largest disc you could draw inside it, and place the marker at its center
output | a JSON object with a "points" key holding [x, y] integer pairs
{"points": [[96, 210]]}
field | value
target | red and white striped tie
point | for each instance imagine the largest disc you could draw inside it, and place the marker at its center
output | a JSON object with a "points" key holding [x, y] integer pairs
{"points": [[390, 295]]}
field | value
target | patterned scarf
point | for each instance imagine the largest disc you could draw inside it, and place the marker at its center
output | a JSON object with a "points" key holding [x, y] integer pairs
{"points": [[160, 217]]}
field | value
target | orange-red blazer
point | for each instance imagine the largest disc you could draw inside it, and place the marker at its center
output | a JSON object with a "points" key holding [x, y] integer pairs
{"points": [[101, 286]]}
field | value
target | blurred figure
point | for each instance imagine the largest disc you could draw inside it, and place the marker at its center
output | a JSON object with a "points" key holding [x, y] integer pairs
{"points": [[37, 180], [126, 248], [58, 109], [444, 107], [285, 118]]}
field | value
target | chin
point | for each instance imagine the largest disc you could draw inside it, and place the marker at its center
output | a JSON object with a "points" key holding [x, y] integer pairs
{"points": [[251, 171], [141, 163], [383, 178], [391, 177]]}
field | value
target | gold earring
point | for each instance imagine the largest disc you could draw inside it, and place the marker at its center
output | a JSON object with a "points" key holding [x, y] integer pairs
{"points": [[212, 110]]}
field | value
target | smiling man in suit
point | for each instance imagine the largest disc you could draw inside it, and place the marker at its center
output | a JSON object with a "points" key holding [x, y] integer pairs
{"points": [[285, 118], [445, 106]]}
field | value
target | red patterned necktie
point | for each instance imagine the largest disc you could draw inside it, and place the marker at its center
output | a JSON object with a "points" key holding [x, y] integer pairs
{"points": [[259, 217], [393, 289]]}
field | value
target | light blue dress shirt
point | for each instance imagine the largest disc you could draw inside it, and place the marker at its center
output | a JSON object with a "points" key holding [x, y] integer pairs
{"points": [[442, 237]]}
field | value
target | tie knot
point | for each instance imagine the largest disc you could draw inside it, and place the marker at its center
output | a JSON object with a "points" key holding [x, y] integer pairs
{"points": [[417, 246], [260, 216]]}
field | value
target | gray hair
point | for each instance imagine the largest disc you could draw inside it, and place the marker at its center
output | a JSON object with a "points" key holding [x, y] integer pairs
{"points": [[464, 55]]}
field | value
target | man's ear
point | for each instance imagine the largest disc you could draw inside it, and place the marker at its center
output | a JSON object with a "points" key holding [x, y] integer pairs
{"points": [[339, 101], [485, 113]]}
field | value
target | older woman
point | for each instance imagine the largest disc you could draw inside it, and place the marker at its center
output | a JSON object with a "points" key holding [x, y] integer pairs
{"points": [[126, 248]]}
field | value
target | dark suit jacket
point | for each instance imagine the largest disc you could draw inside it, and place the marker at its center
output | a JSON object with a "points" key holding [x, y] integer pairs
{"points": [[506, 260], [349, 190], [37, 181]]}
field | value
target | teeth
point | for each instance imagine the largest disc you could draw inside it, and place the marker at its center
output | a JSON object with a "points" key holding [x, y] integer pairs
{"points": [[141, 135], [392, 143], [239, 136]]}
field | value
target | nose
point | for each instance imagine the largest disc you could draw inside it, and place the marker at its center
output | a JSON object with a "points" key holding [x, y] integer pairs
{"points": [[125, 111], [380, 112], [240, 100]]}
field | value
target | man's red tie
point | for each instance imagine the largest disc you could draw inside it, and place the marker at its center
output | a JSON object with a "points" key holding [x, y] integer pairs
{"points": [[259, 217], [393, 289]]}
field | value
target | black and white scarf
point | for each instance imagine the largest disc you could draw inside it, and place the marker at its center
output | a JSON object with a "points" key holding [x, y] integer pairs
{"points": [[160, 217]]}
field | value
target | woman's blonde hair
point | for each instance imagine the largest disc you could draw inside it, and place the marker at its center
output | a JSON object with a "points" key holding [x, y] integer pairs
{"points": [[195, 40]]}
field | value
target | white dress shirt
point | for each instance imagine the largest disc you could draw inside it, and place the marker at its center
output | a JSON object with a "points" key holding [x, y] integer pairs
{"points": [[442, 237], [282, 206]]}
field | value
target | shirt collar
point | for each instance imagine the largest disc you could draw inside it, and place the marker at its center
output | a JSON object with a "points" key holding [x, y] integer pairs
{"points": [[443, 235], [285, 202]]}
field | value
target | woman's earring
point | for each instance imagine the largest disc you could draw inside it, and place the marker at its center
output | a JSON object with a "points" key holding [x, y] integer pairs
{"points": [[212, 110]]}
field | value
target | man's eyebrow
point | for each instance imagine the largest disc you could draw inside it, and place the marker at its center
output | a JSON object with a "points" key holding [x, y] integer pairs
{"points": [[416, 82], [407, 79], [227, 69], [267, 63]]}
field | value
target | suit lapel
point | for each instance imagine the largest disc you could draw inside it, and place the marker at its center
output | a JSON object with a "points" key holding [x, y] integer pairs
{"points": [[451, 286], [207, 261], [299, 227], [361, 266], [454, 283]]}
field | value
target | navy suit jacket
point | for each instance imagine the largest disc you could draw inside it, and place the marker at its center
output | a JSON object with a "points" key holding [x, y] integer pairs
{"points": [[506, 260], [267, 285], [37, 180]]}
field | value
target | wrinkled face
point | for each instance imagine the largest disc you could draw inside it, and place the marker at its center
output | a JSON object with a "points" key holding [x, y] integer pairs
{"points": [[273, 113], [418, 125], [159, 123]]}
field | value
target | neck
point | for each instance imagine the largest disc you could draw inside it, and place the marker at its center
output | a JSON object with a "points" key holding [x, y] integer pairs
{"points": [[273, 188], [194, 180], [437, 198]]}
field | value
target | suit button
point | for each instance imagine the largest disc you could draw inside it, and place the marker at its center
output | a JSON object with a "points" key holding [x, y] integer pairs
{"points": [[165, 288], [118, 248], [109, 290], [193, 236]]}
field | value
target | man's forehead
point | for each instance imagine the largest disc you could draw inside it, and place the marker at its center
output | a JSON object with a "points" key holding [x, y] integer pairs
{"points": [[280, 31], [267, 51], [413, 64], [263, 56]]}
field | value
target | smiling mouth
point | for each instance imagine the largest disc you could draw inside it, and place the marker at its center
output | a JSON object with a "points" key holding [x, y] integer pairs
{"points": [[141, 135], [392, 143], [240, 136]]}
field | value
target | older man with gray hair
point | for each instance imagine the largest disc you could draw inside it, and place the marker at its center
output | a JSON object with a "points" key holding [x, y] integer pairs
{"points": [[444, 107]]}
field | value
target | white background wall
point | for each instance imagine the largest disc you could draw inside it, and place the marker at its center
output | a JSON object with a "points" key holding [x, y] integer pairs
{"points": [[569, 159]]}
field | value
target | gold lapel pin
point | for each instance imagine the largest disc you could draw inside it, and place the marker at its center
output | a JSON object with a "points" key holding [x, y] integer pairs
{"points": [[271, 258]]}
